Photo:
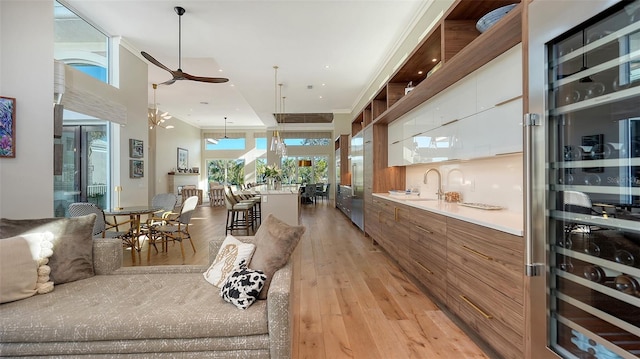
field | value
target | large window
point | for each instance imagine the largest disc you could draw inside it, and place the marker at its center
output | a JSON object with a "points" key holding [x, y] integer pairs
{"points": [[79, 44], [261, 163], [225, 144], [226, 171], [294, 169], [307, 138]]}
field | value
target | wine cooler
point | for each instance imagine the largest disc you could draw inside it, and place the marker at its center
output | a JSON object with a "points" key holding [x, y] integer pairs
{"points": [[589, 165]]}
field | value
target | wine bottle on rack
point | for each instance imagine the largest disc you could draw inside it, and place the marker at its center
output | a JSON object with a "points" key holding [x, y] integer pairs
{"points": [[596, 274], [627, 284]]}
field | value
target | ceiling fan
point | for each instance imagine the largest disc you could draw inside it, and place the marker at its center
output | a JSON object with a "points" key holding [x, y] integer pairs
{"points": [[179, 74]]}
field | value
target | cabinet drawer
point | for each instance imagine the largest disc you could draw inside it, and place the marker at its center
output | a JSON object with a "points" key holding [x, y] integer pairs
{"points": [[490, 256], [482, 311], [422, 220], [430, 268]]}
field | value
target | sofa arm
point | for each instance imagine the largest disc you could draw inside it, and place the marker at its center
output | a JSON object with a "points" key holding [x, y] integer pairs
{"points": [[107, 255], [280, 313]]}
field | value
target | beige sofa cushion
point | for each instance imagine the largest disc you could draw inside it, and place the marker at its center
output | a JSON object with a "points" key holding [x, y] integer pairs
{"points": [[129, 307], [72, 257], [23, 269], [275, 241]]}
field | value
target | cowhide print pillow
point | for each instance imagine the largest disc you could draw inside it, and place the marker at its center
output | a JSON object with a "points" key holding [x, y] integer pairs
{"points": [[243, 286]]}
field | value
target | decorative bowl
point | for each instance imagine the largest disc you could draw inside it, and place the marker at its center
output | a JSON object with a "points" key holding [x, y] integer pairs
{"points": [[492, 17]]}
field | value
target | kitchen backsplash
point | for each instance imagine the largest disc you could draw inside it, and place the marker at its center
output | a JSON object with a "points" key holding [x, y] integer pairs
{"points": [[495, 181]]}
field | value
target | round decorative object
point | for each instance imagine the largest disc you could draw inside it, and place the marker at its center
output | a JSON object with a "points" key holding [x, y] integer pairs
{"points": [[492, 17]]}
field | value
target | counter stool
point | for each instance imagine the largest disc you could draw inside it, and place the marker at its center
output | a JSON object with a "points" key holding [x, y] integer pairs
{"points": [[239, 216]]}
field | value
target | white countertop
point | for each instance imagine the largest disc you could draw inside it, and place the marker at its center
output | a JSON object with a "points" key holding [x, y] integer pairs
{"points": [[501, 220], [277, 192]]}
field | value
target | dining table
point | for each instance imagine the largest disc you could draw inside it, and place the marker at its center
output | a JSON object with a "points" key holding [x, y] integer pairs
{"points": [[135, 214]]}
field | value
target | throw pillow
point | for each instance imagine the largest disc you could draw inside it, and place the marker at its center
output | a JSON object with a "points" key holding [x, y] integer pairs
{"points": [[72, 257], [243, 286], [23, 266], [231, 253], [275, 241]]}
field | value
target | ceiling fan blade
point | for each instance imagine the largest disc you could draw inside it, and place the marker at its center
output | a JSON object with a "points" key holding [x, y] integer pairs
{"points": [[155, 62], [168, 82], [216, 80]]}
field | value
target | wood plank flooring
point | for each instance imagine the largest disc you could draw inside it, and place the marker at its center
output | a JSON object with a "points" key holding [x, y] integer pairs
{"points": [[350, 300]]}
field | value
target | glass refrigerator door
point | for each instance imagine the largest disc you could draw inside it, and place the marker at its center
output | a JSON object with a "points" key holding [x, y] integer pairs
{"points": [[593, 183]]}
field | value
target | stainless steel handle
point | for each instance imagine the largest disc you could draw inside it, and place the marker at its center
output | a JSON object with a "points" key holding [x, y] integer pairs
{"points": [[531, 268]]}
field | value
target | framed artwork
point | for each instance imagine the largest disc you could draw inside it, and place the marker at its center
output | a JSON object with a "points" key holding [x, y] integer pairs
{"points": [[183, 158], [136, 169], [7, 127], [136, 148]]}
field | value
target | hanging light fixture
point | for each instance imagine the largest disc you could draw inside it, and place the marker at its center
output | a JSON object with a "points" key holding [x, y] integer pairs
{"points": [[275, 138], [282, 144], [155, 118]]}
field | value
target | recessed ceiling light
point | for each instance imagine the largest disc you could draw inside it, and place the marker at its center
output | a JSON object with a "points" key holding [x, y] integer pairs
{"points": [[326, 66], [434, 60], [220, 70], [323, 84], [420, 72], [320, 96]]}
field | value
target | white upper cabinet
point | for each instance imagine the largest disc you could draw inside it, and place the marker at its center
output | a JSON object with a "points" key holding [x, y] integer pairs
{"points": [[395, 132], [499, 80], [478, 116], [496, 131]]}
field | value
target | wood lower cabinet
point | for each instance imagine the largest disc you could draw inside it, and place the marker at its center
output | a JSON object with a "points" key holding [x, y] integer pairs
{"points": [[485, 284], [475, 271]]}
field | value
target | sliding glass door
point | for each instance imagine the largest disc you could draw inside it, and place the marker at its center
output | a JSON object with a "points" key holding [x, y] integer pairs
{"points": [[85, 167]]}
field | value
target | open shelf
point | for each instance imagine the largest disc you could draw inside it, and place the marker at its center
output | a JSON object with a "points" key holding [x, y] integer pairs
{"points": [[456, 46]]}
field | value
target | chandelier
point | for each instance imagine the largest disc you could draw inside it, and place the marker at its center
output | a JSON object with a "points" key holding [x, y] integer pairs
{"points": [[155, 118]]}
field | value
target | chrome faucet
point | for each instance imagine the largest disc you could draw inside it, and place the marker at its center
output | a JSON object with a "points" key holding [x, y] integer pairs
{"points": [[426, 174]]}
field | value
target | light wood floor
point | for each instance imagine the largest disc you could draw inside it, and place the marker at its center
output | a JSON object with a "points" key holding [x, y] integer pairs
{"points": [[350, 300]]}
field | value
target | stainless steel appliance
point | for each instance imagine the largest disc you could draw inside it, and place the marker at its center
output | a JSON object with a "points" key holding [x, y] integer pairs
{"points": [[357, 180], [582, 173]]}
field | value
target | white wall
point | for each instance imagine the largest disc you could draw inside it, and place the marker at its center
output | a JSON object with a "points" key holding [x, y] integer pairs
{"points": [[133, 94], [167, 142], [26, 73], [476, 180]]}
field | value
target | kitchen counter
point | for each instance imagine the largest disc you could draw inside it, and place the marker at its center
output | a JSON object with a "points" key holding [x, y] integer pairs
{"points": [[283, 204], [501, 220]]}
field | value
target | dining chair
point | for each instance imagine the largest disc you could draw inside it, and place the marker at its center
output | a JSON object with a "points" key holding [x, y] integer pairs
{"points": [[166, 201], [309, 193], [325, 193], [177, 229], [101, 228]]}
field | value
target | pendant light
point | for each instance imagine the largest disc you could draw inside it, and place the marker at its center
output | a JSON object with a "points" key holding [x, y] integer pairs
{"points": [[155, 118], [275, 138], [282, 144]]}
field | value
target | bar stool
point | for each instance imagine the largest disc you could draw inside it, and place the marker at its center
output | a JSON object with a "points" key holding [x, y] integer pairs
{"points": [[239, 216]]}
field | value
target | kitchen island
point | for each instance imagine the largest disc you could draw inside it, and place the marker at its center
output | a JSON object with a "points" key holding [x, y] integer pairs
{"points": [[283, 204]]}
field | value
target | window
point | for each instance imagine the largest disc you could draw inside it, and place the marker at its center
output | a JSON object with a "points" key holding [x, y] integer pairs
{"points": [[261, 143], [261, 163], [226, 171], [307, 141], [79, 44], [318, 172], [225, 144]]}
